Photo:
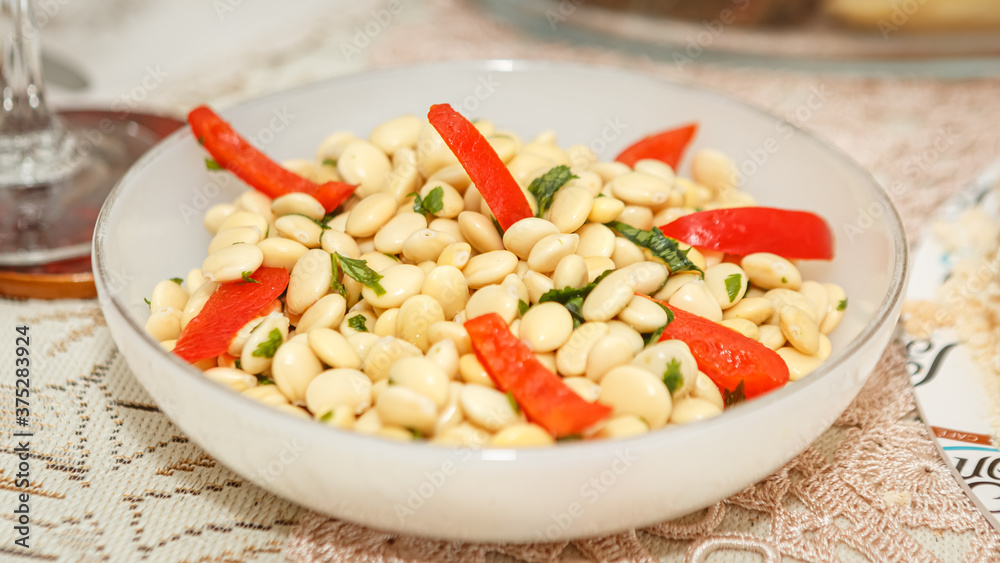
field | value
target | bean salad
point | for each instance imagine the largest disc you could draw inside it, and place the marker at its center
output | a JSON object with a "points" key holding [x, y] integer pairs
{"points": [[390, 292]]}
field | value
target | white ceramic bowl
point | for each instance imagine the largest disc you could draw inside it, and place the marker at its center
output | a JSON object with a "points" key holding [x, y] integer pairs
{"points": [[150, 230]]}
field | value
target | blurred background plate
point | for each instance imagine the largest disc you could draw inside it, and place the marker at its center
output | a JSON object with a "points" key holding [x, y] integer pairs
{"points": [[945, 38]]}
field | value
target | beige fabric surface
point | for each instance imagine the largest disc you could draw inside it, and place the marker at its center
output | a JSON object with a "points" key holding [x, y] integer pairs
{"points": [[112, 479]]}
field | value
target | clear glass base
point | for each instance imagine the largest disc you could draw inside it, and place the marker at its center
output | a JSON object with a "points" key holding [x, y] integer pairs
{"points": [[54, 220]]}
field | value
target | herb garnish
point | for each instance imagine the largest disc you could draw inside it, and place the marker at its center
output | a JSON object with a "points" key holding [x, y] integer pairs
{"points": [[178, 281], [359, 270], [522, 307], [211, 164], [733, 284], [672, 378], [326, 417], [654, 336], [267, 348], [247, 278], [264, 380], [662, 246], [329, 162], [544, 187], [433, 203], [357, 322], [842, 305], [148, 304], [572, 297], [335, 285], [737, 395], [513, 403]]}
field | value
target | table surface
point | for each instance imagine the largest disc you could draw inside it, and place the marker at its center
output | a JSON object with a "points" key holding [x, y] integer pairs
{"points": [[113, 479]]}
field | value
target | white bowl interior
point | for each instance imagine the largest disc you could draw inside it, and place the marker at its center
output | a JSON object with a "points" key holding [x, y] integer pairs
{"points": [[150, 230]]}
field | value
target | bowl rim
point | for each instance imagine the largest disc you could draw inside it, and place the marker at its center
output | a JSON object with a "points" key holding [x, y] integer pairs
{"points": [[309, 428]]}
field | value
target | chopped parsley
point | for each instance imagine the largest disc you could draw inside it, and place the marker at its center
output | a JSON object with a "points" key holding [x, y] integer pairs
{"points": [[326, 417], [329, 162], [735, 396], [264, 380], [572, 297], [784, 279], [248, 279], [201, 140], [417, 435], [148, 304], [522, 307], [359, 270], [663, 247], [178, 281], [433, 203], [544, 187], [672, 377], [238, 364], [212, 165], [267, 348], [513, 402], [654, 337], [357, 322], [842, 305], [335, 285], [733, 284]]}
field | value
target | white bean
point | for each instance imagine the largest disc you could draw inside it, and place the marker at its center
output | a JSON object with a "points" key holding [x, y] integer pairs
{"points": [[333, 349], [168, 294], [301, 229], [370, 214], [479, 231], [690, 409], [335, 388], [423, 376], [624, 426], [606, 209], [572, 359], [727, 283], [799, 364], [310, 280], [492, 299], [640, 188], [294, 366], [570, 208], [570, 272], [488, 408], [799, 329], [363, 164], [407, 408], [643, 314], [164, 324], [546, 254], [416, 316], [837, 304], [670, 361], [632, 390], [235, 379], [383, 353], [607, 353], [426, 244], [230, 263], [546, 327], [216, 215], [713, 169], [400, 282], [523, 235], [393, 234], [754, 309], [391, 135], [327, 312], [609, 297], [524, 435], [695, 298], [235, 235], [595, 240], [472, 372], [770, 271], [489, 268]]}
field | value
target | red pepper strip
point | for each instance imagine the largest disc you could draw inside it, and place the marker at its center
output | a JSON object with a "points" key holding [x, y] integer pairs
{"points": [[667, 146], [233, 305], [481, 163], [546, 400], [234, 153], [745, 230], [726, 356]]}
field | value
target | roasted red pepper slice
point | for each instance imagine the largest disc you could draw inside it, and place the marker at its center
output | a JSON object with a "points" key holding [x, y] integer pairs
{"points": [[232, 152], [745, 230], [668, 146], [233, 305], [546, 400], [726, 356], [491, 177]]}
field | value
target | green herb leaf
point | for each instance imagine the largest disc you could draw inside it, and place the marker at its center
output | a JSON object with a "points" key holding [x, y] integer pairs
{"points": [[357, 322], [513, 403], [201, 140], [148, 304], [654, 337], [544, 187], [417, 435], [326, 417], [431, 204], [496, 225], [522, 307], [359, 270], [734, 282], [212, 165], [178, 281], [329, 162], [264, 380], [842, 305], [570, 438], [335, 285], [736, 396], [784, 279], [662, 246], [393, 256], [572, 297], [248, 279], [238, 364], [267, 348], [672, 378]]}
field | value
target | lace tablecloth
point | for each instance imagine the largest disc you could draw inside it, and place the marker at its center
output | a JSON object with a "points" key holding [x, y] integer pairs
{"points": [[112, 479]]}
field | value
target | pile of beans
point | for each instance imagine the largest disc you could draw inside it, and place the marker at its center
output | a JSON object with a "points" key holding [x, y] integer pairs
{"points": [[399, 365]]}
